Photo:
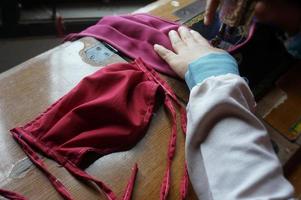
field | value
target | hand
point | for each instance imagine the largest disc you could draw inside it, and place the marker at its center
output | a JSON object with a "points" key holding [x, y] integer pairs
{"points": [[188, 45], [282, 13]]}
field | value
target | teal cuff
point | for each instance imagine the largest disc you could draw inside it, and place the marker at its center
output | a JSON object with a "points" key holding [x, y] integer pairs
{"points": [[213, 64]]}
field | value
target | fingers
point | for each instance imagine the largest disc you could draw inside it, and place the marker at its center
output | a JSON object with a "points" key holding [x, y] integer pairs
{"points": [[186, 35], [189, 38], [211, 7], [176, 41], [171, 59], [164, 53], [199, 38]]}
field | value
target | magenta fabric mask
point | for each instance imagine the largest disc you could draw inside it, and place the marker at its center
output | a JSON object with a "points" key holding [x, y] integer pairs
{"points": [[134, 35]]}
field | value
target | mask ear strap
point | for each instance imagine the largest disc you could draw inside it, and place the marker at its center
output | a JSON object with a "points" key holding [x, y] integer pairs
{"points": [[11, 195], [130, 187], [171, 151], [33, 156], [171, 148], [169, 98], [184, 183], [185, 178], [77, 172], [168, 90]]}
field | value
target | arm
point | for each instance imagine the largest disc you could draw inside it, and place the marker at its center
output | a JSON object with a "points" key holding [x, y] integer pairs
{"points": [[228, 151]]}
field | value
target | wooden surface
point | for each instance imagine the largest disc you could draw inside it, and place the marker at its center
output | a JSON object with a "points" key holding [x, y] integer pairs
{"points": [[29, 88], [281, 113], [289, 125]]}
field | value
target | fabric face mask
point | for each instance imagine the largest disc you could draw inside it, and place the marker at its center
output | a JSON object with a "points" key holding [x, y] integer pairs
{"points": [[134, 36], [108, 111]]}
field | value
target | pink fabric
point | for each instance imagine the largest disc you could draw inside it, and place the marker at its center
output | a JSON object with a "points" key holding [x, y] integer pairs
{"points": [[134, 35]]}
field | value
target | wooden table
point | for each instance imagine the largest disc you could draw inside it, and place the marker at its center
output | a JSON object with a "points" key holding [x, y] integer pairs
{"points": [[29, 88]]}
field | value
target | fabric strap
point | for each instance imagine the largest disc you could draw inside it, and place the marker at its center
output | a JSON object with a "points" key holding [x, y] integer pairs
{"points": [[33, 156], [79, 173], [11, 195], [170, 98]]}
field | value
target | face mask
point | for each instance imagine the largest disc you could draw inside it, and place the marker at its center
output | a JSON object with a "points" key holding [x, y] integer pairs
{"points": [[134, 36], [108, 111]]}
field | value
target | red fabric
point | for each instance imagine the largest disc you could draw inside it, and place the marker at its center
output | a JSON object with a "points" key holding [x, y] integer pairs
{"points": [[11, 195], [134, 35], [108, 111]]}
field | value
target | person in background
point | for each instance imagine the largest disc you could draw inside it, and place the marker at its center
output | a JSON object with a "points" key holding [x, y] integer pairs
{"points": [[282, 13], [228, 151]]}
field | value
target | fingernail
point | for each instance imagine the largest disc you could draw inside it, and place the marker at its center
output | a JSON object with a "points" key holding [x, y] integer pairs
{"points": [[156, 46], [181, 27], [172, 32]]}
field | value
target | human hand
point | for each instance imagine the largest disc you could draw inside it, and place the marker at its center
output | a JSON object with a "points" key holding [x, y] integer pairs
{"points": [[285, 14], [188, 46]]}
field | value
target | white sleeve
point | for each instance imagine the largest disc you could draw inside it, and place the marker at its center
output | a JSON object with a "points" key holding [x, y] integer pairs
{"points": [[228, 151]]}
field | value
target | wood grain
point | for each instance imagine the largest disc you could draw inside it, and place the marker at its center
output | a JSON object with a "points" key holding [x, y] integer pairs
{"points": [[29, 88]]}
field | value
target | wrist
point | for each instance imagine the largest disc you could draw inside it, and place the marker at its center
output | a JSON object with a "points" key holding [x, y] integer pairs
{"points": [[212, 64]]}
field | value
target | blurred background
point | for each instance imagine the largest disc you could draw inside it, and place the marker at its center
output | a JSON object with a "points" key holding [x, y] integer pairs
{"points": [[30, 27]]}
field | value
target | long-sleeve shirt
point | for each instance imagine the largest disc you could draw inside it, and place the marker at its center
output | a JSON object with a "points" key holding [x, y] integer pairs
{"points": [[228, 151]]}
